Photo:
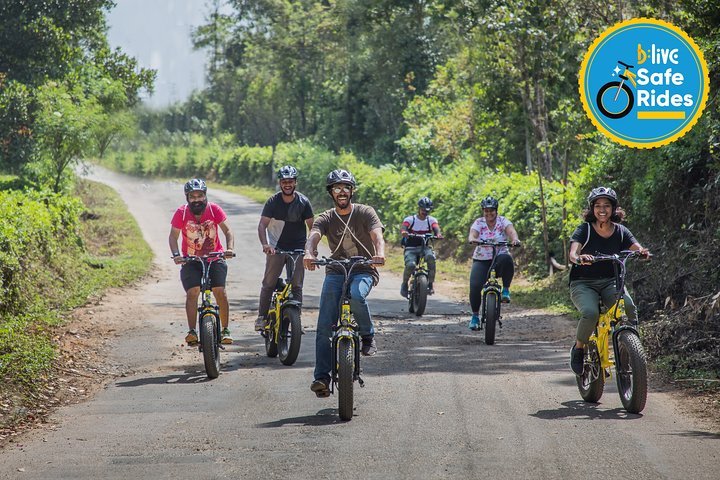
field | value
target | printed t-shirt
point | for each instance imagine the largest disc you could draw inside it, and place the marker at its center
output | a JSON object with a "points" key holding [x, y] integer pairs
{"points": [[199, 238]]}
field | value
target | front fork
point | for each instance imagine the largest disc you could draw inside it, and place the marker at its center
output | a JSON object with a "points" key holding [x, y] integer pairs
{"points": [[346, 329], [213, 310], [495, 290]]}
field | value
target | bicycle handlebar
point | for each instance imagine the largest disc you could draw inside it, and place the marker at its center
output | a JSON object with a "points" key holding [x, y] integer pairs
{"points": [[297, 251], [346, 262], [487, 243], [617, 257], [195, 258], [425, 235]]}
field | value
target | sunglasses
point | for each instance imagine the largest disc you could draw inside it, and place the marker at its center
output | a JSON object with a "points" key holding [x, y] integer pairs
{"points": [[344, 188]]}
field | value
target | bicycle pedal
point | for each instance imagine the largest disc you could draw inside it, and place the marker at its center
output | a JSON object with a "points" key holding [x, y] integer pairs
{"points": [[361, 382]]}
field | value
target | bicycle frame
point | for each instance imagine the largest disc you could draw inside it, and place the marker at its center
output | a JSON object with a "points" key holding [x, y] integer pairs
{"points": [[610, 322], [207, 306], [283, 298], [421, 265], [491, 285], [346, 327]]}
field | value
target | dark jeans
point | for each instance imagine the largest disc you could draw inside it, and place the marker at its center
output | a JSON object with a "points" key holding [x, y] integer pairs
{"points": [[411, 258], [360, 286], [504, 269]]}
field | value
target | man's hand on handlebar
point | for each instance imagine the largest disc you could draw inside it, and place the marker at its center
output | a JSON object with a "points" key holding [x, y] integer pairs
{"points": [[268, 250], [380, 261]]}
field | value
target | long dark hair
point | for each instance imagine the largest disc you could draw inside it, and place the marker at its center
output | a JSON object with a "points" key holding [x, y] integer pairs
{"points": [[617, 216]]}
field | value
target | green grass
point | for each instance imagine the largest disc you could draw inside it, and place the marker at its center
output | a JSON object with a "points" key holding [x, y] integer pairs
{"points": [[110, 253]]}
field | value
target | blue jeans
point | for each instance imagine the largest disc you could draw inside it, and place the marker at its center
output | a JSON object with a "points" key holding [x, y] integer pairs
{"points": [[360, 286]]}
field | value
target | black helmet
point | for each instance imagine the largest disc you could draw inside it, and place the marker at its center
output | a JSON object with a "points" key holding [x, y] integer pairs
{"points": [[288, 171], [339, 176], [194, 185], [425, 203], [489, 202], [602, 192]]}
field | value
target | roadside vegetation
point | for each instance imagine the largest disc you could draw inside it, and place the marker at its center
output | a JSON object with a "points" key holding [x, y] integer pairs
{"points": [[56, 252]]}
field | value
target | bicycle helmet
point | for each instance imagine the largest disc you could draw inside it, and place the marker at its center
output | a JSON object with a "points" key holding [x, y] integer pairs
{"points": [[489, 202], [194, 185], [602, 192], [287, 172], [425, 203], [339, 176]]}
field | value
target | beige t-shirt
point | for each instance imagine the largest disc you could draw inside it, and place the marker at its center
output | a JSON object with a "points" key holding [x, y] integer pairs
{"points": [[351, 240]]}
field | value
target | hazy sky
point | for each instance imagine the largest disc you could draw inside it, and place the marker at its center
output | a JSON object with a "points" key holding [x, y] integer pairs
{"points": [[157, 34]]}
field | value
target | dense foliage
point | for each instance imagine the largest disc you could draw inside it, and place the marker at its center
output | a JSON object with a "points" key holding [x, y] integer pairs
{"points": [[63, 92]]}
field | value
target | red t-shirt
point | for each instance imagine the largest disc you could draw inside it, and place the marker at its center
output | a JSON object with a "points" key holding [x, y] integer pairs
{"points": [[199, 238]]}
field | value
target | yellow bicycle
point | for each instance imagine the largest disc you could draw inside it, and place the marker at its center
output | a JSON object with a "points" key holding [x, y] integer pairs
{"points": [[283, 329], [629, 357]]}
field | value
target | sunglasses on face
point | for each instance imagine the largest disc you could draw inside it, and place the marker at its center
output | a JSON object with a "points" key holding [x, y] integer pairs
{"points": [[342, 188]]}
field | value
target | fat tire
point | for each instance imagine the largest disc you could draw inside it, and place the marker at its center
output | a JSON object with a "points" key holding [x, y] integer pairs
{"points": [[631, 376], [592, 391], [210, 345], [346, 370], [290, 335], [419, 297], [492, 314], [271, 346], [625, 111], [411, 295]]}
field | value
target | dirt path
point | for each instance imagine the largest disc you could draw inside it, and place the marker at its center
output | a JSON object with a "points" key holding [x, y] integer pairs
{"points": [[438, 402]]}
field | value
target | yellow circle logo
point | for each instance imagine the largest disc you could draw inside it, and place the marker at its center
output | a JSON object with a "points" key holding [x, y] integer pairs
{"points": [[644, 83]]}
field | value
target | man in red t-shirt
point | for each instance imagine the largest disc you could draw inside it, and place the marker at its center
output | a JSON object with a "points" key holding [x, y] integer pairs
{"points": [[198, 221]]}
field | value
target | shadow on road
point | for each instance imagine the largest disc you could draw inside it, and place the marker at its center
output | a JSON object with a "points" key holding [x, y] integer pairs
{"points": [[189, 376], [327, 416], [579, 409]]}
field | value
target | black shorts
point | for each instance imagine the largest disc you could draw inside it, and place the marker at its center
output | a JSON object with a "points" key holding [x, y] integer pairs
{"points": [[191, 274]]}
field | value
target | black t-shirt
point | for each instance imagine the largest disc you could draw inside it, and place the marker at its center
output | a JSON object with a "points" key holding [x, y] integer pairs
{"points": [[286, 230], [621, 239]]}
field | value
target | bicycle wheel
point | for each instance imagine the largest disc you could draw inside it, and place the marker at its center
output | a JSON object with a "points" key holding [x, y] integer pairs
{"points": [[632, 371], [210, 345], [411, 295], [610, 107], [271, 346], [419, 297], [492, 314], [290, 334], [346, 369], [592, 382]]}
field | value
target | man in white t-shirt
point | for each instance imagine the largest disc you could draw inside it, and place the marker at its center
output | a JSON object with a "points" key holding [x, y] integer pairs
{"points": [[419, 224]]}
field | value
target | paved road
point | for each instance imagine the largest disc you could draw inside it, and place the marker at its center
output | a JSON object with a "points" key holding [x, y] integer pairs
{"points": [[438, 402]]}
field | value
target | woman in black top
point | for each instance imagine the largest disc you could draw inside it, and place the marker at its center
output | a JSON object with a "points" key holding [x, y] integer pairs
{"points": [[601, 233]]}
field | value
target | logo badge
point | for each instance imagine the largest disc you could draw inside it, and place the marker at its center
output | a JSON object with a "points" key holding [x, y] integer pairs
{"points": [[644, 83]]}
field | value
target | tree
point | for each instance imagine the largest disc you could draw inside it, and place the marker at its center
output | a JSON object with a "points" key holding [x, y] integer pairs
{"points": [[65, 125]]}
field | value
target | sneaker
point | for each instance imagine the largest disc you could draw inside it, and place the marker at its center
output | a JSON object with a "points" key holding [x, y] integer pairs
{"points": [[225, 337], [404, 290], [260, 323], [576, 360], [321, 387], [368, 346], [431, 290], [191, 338], [474, 323], [505, 297]]}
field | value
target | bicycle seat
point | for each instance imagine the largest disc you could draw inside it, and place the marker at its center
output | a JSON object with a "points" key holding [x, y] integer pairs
{"points": [[280, 284]]}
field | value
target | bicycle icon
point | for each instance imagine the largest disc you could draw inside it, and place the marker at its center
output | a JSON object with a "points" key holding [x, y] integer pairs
{"points": [[619, 104]]}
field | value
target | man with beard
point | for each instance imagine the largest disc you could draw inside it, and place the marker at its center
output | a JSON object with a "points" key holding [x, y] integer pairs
{"points": [[283, 223], [351, 230], [198, 221]]}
